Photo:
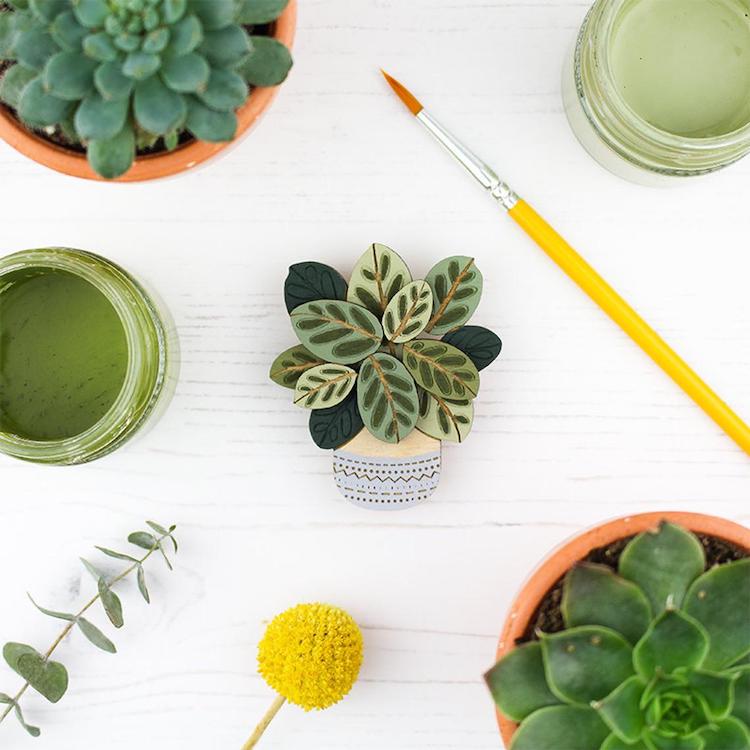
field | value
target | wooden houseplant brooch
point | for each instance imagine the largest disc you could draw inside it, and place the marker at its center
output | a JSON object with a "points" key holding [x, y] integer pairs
{"points": [[387, 367]]}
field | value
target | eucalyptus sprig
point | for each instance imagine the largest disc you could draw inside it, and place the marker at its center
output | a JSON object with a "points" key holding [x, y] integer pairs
{"points": [[50, 678]]}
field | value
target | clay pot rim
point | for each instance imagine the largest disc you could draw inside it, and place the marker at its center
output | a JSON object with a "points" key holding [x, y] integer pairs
{"points": [[150, 166], [554, 566]]}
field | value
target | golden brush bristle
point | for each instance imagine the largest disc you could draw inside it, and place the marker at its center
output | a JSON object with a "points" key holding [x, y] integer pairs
{"points": [[404, 94]]}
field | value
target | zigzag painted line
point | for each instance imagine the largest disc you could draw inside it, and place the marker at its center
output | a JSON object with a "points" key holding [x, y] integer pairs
{"points": [[374, 477]]}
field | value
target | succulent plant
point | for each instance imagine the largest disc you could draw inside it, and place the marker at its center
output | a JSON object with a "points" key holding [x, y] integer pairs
{"points": [[115, 76], [369, 354], [656, 657]]}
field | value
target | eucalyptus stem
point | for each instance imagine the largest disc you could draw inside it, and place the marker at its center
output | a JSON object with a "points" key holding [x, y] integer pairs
{"points": [[66, 630]]}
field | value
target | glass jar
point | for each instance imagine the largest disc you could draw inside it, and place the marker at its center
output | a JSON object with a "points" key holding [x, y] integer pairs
{"points": [[148, 348], [612, 131]]}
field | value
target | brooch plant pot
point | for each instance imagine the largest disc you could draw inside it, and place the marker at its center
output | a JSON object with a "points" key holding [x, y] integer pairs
{"points": [[137, 91], [634, 635], [387, 367]]}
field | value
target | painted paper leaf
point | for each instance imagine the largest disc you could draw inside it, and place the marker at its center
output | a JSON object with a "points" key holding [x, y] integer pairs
{"points": [[445, 420], [387, 398], [337, 331], [334, 427], [324, 386], [376, 279], [456, 288], [408, 312], [441, 369], [310, 282], [480, 345], [291, 364]]}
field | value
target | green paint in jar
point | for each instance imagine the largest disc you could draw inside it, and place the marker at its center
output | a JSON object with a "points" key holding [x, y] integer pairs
{"points": [[85, 356]]}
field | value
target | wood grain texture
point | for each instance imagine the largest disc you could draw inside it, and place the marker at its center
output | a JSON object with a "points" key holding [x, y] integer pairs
{"points": [[574, 425]]}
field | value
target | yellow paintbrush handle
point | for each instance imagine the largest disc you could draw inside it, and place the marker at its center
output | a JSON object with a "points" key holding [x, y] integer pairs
{"points": [[630, 321]]}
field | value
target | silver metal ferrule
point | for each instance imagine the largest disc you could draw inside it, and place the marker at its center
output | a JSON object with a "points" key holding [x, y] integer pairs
{"points": [[482, 172]]}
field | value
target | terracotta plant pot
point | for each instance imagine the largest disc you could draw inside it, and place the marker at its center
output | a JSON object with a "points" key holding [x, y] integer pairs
{"points": [[152, 166], [557, 564]]}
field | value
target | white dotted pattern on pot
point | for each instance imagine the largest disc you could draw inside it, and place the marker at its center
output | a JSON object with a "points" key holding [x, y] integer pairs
{"points": [[382, 483]]}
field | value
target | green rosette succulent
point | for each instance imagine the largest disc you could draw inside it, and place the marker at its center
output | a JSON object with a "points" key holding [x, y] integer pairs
{"points": [[654, 657], [115, 76], [385, 352]]}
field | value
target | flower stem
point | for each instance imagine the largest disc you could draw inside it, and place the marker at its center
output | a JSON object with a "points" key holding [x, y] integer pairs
{"points": [[264, 722]]}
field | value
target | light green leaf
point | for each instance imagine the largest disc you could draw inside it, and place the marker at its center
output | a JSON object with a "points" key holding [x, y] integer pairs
{"points": [[408, 312], [158, 528], [658, 741], [741, 709], [141, 576], [613, 742], [441, 369], [586, 664], [113, 157], [12, 652], [111, 603], [621, 710], [143, 539], [673, 640], [337, 331], [518, 684], [268, 63], [561, 727], [289, 366], [116, 555], [387, 398], [720, 601], [594, 595], [663, 562], [5, 699], [33, 731], [95, 573], [96, 636], [376, 279], [166, 559], [52, 613], [444, 420], [456, 289], [324, 386]]}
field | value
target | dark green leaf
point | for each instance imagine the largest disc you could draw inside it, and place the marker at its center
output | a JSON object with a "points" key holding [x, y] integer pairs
{"points": [[518, 684], [561, 728], [268, 64], [226, 90], [143, 539], [186, 74], [720, 601], [96, 636], [12, 652], [113, 157], [38, 108], [672, 641], [387, 398], [621, 710], [378, 276], [594, 595], [46, 10], [663, 562], [441, 369], [142, 584], [13, 82], [717, 690], [324, 386], [311, 282], [334, 427], [111, 603], [479, 344], [456, 285], [729, 734], [49, 678], [209, 125], [741, 709], [253, 12], [52, 613], [587, 663], [116, 555], [157, 108], [99, 119], [227, 47], [215, 14], [289, 365]]}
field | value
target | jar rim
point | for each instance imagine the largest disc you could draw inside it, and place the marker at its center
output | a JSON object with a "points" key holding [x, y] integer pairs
{"points": [[702, 154], [140, 320]]}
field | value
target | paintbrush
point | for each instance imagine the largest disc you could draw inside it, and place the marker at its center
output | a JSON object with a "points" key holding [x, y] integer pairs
{"points": [[583, 274]]}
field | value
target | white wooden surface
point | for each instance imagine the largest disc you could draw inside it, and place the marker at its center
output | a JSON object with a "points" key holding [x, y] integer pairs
{"points": [[574, 425]]}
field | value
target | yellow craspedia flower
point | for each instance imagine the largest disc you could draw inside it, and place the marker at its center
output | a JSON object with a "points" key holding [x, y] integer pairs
{"points": [[311, 655]]}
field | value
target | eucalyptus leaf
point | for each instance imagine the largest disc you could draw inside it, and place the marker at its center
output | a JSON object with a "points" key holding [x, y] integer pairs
{"points": [[387, 398], [116, 555], [52, 613], [441, 369], [408, 313], [480, 345], [111, 603], [96, 636], [33, 731], [12, 652], [158, 528], [289, 366], [332, 428], [324, 386], [457, 288], [141, 577], [48, 678], [6, 699], [376, 279], [336, 331], [445, 420], [95, 573], [166, 558], [312, 282], [143, 539]]}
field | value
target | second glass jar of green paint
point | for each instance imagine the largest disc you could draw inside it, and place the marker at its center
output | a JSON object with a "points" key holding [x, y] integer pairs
{"points": [[662, 87], [86, 356]]}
